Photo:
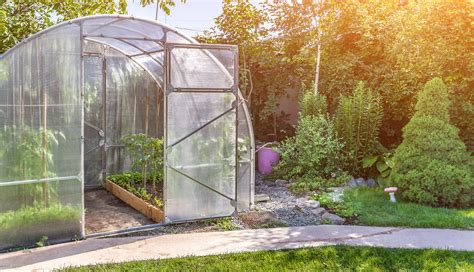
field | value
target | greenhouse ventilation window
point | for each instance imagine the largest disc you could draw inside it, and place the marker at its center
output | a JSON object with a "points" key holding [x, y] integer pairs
{"points": [[70, 93]]}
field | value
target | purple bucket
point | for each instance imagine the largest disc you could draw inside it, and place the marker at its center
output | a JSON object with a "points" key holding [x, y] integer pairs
{"points": [[267, 157]]}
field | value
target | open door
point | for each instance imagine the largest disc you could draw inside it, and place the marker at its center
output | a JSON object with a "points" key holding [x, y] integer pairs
{"points": [[201, 125]]}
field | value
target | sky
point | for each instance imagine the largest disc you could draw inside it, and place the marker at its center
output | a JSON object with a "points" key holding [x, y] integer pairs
{"points": [[191, 18]]}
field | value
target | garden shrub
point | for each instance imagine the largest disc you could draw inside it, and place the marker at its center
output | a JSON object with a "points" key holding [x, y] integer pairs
{"points": [[432, 166], [314, 155], [358, 119], [311, 104]]}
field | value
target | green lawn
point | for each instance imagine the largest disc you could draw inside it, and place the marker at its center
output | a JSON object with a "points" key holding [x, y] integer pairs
{"points": [[373, 208], [335, 258]]}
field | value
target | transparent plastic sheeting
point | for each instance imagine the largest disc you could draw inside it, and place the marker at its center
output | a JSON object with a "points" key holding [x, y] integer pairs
{"points": [[207, 156], [40, 135], [121, 73], [202, 175]]}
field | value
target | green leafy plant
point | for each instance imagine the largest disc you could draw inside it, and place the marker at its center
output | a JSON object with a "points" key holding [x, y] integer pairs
{"points": [[42, 241], [146, 154], [358, 121], [343, 208], [379, 166], [309, 183], [432, 165]]}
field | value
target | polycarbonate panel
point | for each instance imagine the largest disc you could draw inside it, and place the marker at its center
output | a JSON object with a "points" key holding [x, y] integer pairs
{"points": [[123, 47], [94, 132], [208, 155], [25, 219], [134, 105], [151, 66], [147, 46], [244, 167], [40, 132], [189, 111], [187, 200], [205, 156], [122, 28], [198, 68]]}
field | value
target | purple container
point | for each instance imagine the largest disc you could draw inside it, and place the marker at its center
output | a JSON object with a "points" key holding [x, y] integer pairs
{"points": [[267, 157]]}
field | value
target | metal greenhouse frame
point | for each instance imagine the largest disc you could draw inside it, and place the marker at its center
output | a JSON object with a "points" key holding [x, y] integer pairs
{"points": [[69, 93]]}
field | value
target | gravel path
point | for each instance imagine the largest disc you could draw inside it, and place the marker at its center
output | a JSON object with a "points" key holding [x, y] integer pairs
{"points": [[294, 210]]}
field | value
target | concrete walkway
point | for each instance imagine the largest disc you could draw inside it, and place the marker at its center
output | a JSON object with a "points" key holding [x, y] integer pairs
{"points": [[107, 250]]}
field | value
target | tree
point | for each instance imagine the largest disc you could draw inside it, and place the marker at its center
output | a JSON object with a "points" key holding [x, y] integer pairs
{"points": [[431, 165], [242, 23], [22, 18]]}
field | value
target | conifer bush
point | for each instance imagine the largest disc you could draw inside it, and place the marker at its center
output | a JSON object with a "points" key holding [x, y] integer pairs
{"points": [[432, 166]]}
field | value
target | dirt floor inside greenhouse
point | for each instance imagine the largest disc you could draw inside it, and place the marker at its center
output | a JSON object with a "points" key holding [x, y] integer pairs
{"points": [[105, 212]]}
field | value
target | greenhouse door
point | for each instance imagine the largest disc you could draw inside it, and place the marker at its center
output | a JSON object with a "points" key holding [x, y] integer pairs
{"points": [[200, 131]]}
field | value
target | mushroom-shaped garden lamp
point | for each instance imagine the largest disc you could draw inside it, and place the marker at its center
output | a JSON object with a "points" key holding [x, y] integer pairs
{"points": [[391, 191]]}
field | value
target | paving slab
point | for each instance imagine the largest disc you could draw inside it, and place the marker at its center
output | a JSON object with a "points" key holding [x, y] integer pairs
{"points": [[113, 250]]}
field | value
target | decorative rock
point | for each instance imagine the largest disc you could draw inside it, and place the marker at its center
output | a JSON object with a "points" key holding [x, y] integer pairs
{"points": [[352, 183], [318, 211], [371, 183], [333, 218], [312, 204], [361, 182], [261, 198], [281, 182]]}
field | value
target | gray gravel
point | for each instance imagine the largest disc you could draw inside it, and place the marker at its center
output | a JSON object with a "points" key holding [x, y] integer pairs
{"points": [[294, 210]]}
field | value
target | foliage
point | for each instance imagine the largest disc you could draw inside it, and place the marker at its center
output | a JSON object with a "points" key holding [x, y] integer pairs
{"points": [[358, 120], [379, 166], [343, 208], [22, 18], [395, 47], [311, 104], [146, 154], [242, 23], [130, 182], [164, 5], [313, 155], [326, 258], [28, 154], [308, 183], [222, 224], [373, 208], [432, 166], [29, 225]]}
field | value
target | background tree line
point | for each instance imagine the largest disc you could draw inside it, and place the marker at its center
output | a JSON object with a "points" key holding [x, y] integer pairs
{"points": [[393, 46]]}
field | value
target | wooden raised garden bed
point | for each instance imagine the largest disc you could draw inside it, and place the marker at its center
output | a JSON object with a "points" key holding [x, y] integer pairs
{"points": [[137, 203]]}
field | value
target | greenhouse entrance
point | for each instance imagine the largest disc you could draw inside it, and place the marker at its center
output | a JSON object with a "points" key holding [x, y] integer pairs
{"points": [[78, 89]]}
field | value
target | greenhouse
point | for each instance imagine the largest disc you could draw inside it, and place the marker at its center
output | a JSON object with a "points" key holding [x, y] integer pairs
{"points": [[72, 95]]}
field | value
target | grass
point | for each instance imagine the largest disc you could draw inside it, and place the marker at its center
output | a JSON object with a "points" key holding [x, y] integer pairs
{"points": [[373, 208], [333, 258]]}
